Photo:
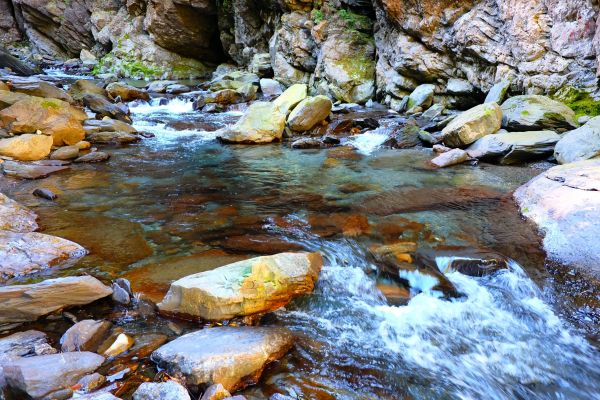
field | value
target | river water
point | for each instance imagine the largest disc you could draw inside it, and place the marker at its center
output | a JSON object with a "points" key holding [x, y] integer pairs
{"points": [[181, 203]]}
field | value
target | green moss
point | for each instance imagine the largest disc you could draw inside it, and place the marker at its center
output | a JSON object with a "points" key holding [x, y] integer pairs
{"points": [[317, 16], [579, 100], [355, 21], [358, 68], [49, 104], [524, 112]]}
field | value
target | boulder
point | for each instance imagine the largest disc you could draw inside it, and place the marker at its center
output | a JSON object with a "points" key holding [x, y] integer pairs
{"points": [[41, 89], [41, 375], [52, 117], [159, 86], [563, 202], [291, 97], [126, 92], [121, 344], [514, 147], [270, 87], [7, 98], [472, 124], [29, 171], [24, 344], [104, 108], [177, 88], [459, 87], [26, 253], [497, 93], [580, 144], [91, 382], [65, 153], [87, 58], [107, 125], [535, 113], [308, 113], [111, 137], [15, 217], [421, 98], [248, 287], [231, 356], [452, 157], [26, 147], [93, 157], [22, 303], [307, 143], [169, 390], [262, 123], [85, 335], [82, 87]]}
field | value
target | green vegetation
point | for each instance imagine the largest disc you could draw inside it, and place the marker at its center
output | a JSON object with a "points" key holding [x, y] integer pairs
{"points": [[579, 101], [48, 103], [355, 21], [317, 16]]}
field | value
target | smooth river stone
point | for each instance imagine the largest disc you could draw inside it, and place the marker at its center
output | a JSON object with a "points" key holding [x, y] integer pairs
{"points": [[15, 217], [231, 356], [41, 375], [248, 287], [22, 303], [25, 253]]}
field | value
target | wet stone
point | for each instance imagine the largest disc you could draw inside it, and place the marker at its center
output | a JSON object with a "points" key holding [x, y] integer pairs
{"points": [[45, 194], [93, 157], [90, 382], [29, 171], [85, 335]]}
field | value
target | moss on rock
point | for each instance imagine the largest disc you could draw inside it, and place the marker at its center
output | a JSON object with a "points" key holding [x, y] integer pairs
{"points": [[579, 100]]}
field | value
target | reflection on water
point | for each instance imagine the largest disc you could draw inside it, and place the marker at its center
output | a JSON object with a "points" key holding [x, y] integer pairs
{"points": [[181, 203]]}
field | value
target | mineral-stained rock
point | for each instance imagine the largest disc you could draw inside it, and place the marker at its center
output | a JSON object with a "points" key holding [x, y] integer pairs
{"points": [[533, 113], [473, 124], [514, 147], [233, 357], [308, 113], [247, 287], [169, 390], [40, 375], [21, 303], [86, 335], [25, 253], [580, 144], [562, 201], [15, 217], [262, 123]]}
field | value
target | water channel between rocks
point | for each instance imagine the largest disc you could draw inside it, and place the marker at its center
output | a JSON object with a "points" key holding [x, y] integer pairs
{"points": [[181, 203]]}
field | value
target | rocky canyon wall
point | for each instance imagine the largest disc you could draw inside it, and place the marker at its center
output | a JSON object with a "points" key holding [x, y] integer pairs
{"points": [[352, 50]]}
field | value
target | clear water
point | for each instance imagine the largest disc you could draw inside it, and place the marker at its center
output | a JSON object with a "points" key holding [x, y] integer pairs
{"points": [[180, 203]]}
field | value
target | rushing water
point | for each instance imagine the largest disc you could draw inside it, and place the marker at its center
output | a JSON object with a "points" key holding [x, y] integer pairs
{"points": [[181, 203]]}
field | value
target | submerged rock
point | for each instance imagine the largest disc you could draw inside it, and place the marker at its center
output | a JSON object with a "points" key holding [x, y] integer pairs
{"points": [[22, 303], [580, 144], [85, 335], [26, 253], [41, 375], [309, 112], [169, 390], [262, 123], [15, 217], [232, 357], [248, 287], [534, 113], [473, 124], [514, 147], [563, 202]]}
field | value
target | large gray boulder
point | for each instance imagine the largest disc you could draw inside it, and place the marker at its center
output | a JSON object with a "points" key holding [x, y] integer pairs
{"points": [[41, 375], [473, 124], [248, 287], [580, 144], [22, 303], [514, 147], [497, 93], [564, 201], [231, 356], [535, 113], [421, 98]]}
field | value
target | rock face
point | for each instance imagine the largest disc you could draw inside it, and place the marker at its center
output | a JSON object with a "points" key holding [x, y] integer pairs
{"points": [[562, 201], [262, 123], [531, 113], [14, 217], [26, 147], [247, 287], [233, 357], [580, 144], [21, 303], [41, 375], [24, 253], [514, 147], [473, 124], [308, 113], [169, 390]]}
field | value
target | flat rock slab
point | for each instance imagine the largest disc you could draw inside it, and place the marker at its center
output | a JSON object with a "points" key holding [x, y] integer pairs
{"points": [[563, 202], [23, 344], [514, 147], [26, 253], [232, 356], [41, 375], [14, 217], [29, 171], [243, 288], [22, 303]]}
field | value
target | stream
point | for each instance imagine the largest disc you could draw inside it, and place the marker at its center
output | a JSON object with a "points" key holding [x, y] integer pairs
{"points": [[181, 203]]}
